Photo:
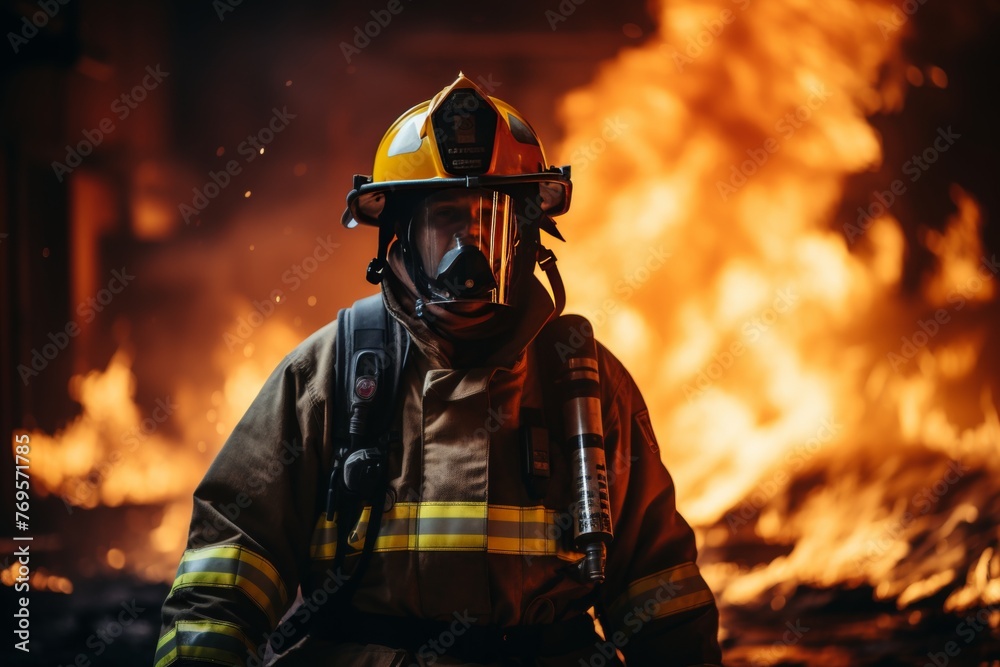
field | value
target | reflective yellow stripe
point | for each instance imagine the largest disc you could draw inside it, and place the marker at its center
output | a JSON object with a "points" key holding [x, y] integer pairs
{"points": [[455, 526], [233, 566], [537, 530], [662, 594], [501, 513], [208, 640], [445, 542], [653, 581], [445, 510], [392, 543], [685, 602], [166, 652]]}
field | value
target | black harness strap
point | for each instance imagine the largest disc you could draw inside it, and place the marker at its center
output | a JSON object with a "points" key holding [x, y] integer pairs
{"points": [[371, 352]]}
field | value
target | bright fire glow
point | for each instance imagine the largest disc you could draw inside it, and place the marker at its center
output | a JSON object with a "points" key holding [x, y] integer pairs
{"points": [[113, 454], [708, 165]]}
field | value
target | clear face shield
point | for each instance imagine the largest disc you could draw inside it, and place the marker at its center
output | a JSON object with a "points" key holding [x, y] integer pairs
{"points": [[465, 241]]}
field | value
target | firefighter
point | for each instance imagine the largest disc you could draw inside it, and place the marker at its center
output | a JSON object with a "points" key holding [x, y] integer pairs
{"points": [[410, 487]]}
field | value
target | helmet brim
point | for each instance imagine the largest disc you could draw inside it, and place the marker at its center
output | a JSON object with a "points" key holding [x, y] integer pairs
{"points": [[367, 201]]}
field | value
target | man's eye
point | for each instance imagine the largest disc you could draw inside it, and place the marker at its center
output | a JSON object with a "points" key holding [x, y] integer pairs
{"points": [[448, 216], [445, 212]]}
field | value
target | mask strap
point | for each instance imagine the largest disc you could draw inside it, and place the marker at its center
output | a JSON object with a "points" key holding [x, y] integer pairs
{"points": [[376, 267], [547, 261]]}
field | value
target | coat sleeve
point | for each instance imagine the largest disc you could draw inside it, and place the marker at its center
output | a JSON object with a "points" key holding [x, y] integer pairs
{"points": [[250, 530], [654, 605]]}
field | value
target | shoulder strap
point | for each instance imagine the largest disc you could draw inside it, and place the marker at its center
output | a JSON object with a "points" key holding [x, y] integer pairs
{"points": [[367, 334], [371, 352]]}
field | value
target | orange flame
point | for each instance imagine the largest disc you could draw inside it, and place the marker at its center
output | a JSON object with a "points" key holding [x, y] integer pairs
{"points": [[708, 165], [747, 319], [113, 454]]}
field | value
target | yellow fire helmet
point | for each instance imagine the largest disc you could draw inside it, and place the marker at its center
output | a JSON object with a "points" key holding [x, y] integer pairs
{"points": [[460, 138]]}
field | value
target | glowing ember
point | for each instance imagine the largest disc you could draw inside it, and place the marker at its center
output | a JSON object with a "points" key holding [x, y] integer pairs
{"points": [[39, 579]]}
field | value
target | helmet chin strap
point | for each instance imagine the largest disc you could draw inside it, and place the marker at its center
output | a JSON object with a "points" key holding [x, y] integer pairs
{"points": [[547, 261]]}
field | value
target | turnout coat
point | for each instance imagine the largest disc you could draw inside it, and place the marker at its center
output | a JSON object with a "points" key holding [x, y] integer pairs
{"points": [[462, 540]]}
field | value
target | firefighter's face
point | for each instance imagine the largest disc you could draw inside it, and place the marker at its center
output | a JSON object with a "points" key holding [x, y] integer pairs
{"points": [[461, 217], [465, 240]]}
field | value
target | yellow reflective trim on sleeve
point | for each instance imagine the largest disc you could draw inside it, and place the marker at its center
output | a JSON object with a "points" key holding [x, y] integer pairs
{"points": [[228, 580], [244, 555], [217, 632], [685, 602], [670, 591], [214, 655], [234, 566], [171, 655], [653, 581]]}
